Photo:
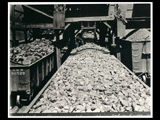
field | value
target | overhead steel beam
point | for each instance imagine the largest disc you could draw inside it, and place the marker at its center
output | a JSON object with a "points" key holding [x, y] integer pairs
{"points": [[74, 19], [95, 18]]}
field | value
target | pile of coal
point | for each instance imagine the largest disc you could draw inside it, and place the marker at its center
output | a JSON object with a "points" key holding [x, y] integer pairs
{"points": [[92, 81], [89, 46], [31, 52], [88, 34]]}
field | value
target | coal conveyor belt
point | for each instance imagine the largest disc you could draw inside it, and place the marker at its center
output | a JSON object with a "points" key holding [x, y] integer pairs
{"points": [[91, 80]]}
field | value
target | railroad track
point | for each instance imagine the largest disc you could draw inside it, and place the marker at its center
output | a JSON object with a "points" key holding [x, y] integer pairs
{"points": [[80, 85], [14, 109]]}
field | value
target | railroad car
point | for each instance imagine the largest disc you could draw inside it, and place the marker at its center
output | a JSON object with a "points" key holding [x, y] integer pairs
{"points": [[74, 26], [24, 79], [136, 55]]}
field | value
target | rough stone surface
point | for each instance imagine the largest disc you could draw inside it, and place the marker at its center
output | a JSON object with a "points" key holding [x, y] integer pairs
{"points": [[91, 81]]}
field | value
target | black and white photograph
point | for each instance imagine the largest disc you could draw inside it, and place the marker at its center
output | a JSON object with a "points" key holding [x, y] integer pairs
{"points": [[80, 59]]}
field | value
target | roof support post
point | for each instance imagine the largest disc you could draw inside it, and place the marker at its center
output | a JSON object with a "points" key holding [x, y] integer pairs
{"points": [[120, 28], [57, 50], [59, 24], [120, 22]]}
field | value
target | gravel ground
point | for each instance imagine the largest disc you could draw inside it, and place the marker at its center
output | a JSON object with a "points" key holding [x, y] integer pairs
{"points": [[91, 81]]}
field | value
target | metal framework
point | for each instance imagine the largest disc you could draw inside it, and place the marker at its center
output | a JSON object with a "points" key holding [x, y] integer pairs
{"points": [[114, 24]]}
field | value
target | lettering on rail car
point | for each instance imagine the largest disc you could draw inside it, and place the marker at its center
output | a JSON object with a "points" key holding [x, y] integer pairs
{"points": [[17, 72]]}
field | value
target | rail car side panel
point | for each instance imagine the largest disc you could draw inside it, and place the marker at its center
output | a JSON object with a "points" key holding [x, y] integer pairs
{"points": [[25, 78], [132, 55], [137, 61], [20, 79]]}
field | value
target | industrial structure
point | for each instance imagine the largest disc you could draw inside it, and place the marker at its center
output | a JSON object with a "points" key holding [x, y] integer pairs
{"points": [[50, 34]]}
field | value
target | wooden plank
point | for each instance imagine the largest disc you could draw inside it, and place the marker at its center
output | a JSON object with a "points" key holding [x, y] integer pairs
{"points": [[71, 19], [41, 25], [95, 18], [88, 27], [36, 10]]}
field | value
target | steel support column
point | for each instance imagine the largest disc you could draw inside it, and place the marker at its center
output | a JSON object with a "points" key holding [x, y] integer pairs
{"points": [[59, 24], [57, 50]]}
